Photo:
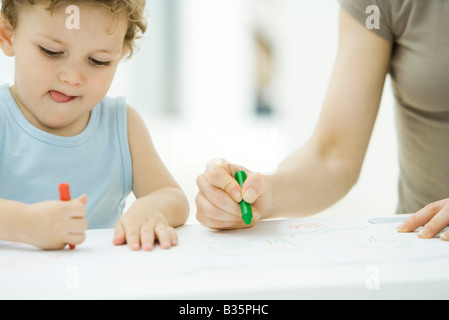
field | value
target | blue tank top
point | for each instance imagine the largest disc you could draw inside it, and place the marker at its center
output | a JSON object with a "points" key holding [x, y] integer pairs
{"points": [[96, 162]]}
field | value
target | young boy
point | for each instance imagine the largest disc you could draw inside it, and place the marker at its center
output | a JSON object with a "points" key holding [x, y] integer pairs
{"points": [[56, 125]]}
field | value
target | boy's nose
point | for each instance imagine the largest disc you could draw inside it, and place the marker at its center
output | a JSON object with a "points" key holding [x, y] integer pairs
{"points": [[72, 75]]}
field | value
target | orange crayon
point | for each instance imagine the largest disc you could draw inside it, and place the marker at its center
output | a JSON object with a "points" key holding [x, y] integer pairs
{"points": [[64, 195]]}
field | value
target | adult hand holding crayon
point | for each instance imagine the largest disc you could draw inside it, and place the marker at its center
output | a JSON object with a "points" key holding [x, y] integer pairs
{"points": [[220, 198], [247, 214]]}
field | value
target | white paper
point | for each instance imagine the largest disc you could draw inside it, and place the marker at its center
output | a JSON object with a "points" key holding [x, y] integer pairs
{"points": [[270, 245]]}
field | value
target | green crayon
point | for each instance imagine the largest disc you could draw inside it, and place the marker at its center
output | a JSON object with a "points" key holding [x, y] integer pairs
{"points": [[247, 214]]}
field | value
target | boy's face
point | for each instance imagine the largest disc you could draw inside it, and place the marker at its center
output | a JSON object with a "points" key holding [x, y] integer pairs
{"points": [[62, 73]]}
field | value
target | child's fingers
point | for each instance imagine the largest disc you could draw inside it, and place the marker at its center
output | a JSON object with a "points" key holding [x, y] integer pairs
{"points": [[166, 236], [163, 235], [83, 199], [133, 237], [173, 236], [77, 225], [76, 238], [147, 237], [76, 208], [119, 234]]}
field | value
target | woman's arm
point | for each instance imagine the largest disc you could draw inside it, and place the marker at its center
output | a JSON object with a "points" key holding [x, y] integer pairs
{"points": [[329, 164]]}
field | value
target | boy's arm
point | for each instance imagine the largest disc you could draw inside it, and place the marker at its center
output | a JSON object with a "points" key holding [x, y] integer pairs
{"points": [[160, 203], [47, 225], [151, 179], [11, 220]]}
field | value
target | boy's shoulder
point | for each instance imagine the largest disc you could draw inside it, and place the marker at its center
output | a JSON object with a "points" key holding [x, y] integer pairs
{"points": [[111, 108], [7, 102], [111, 114], [4, 100], [3, 109], [112, 104], [4, 95]]}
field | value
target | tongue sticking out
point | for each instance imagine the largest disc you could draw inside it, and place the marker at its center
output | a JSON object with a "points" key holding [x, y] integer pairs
{"points": [[60, 97]]}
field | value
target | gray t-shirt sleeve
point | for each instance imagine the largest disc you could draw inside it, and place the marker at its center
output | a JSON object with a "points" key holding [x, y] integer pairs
{"points": [[361, 11], [419, 69]]}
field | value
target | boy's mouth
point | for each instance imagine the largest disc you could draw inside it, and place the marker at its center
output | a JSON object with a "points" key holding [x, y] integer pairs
{"points": [[60, 97]]}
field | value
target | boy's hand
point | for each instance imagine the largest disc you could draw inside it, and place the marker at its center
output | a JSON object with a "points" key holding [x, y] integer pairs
{"points": [[219, 196], [54, 224], [140, 229], [434, 217]]}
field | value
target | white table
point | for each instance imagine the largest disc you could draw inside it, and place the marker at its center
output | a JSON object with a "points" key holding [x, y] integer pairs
{"points": [[314, 258]]}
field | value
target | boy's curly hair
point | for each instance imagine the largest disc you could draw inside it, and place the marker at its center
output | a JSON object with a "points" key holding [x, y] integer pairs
{"points": [[132, 9]]}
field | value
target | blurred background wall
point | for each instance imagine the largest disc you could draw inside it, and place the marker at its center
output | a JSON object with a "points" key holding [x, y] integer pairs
{"points": [[244, 80]]}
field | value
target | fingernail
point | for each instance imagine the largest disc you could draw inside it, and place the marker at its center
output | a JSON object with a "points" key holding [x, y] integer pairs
{"points": [[444, 237], [236, 196], [401, 227], [423, 234], [250, 196], [165, 244]]}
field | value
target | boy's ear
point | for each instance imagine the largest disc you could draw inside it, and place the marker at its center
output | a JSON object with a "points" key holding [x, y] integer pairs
{"points": [[6, 35]]}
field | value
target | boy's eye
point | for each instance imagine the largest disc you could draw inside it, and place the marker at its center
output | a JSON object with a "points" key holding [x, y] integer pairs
{"points": [[53, 54], [49, 52], [100, 63]]}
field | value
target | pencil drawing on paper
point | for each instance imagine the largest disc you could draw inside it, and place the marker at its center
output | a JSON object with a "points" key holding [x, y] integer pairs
{"points": [[293, 240], [281, 242], [374, 243], [307, 226], [321, 228]]}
